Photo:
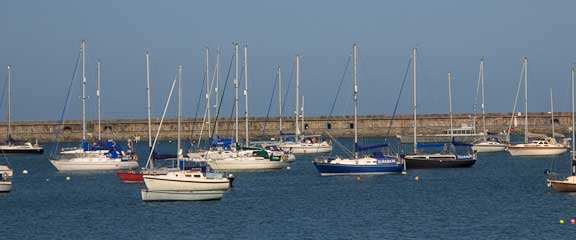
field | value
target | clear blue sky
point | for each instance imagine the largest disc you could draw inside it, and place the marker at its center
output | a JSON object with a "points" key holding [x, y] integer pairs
{"points": [[41, 39]]}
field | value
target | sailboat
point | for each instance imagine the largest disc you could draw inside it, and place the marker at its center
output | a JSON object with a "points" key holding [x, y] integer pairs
{"points": [[537, 147], [357, 165], [114, 159], [6, 174], [238, 158], [11, 146], [301, 143], [445, 159], [181, 184], [487, 144], [567, 184]]}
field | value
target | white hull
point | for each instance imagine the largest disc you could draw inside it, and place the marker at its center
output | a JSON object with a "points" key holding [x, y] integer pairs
{"points": [[80, 151], [248, 163], [304, 148], [539, 151], [148, 195], [5, 186], [181, 182], [484, 148], [91, 163]]}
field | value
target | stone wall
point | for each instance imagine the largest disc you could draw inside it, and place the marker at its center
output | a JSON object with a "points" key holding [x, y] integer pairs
{"points": [[369, 125]]}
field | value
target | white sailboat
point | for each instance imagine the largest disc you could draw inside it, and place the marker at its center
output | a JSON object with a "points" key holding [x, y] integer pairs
{"points": [[250, 159], [11, 146], [567, 184], [538, 147], [183, 184], [303, 144], [487, 144], [114, 159]]}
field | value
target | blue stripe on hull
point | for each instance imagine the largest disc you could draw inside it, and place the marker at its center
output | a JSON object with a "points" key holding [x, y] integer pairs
{"points": [[326, 169]]}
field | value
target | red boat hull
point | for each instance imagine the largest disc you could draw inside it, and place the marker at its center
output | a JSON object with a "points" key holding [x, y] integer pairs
{"points": [[131, 177]]}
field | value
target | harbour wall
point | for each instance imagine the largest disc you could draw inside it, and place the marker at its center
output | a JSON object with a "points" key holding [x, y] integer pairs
{"points": [[260, 127]]}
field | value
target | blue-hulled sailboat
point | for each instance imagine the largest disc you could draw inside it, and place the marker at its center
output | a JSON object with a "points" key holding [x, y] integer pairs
{"points": [[374, 164]]}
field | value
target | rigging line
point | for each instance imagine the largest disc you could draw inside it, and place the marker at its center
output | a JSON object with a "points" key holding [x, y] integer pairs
{"points": [[398, 99], [288, 86], [3, 93], [66, 101], [197, 108], [519, 84], [209, 94], [270, 104], [222, 95], [339, 87], [234, 105]]}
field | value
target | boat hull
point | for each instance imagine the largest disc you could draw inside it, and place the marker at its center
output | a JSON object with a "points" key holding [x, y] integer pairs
{"points": [[438, 163], [93, 164], [536, 151], [148, 195], [21, 151], [164, 183], [563, 186], [5, 186], [306, 149], [327, 169], [488, 148], [246, 165]]}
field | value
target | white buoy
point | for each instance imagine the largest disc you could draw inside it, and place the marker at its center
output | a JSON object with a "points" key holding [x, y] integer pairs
{"points": [[68, 178], [24, 171], [47, 179], [417, 178], [288, 168]]}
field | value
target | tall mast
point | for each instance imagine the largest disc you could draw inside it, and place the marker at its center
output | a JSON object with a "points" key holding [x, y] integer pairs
{"points": [[148, 108], [280, 98], [525, 99], [246, 93], [236, 92], [83, 49], [99, 68], [297, 129], [552, 112], [355, 51], [414, 97], [216, 93], [208, 89], [573, 163], [9, 103], [178, 153], [485, 132], [450, 103]]}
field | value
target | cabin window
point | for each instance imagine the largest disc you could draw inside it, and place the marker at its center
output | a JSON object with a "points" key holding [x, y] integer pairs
{"points": [[351, 125], [329, 125], [306, 126]]}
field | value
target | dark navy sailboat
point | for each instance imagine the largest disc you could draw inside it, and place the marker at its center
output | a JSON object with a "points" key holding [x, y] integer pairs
{"points": [[375, 164]]}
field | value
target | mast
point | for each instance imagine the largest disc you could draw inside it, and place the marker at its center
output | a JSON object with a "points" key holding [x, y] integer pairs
{"points": [[83, 49], [280, 99], [178, 153], [552, 112], [246, 93], [99, 68], [355, 50], [148, 108], [573, 163], [485, 131], [208, 89], [216, 93], [414, 97], [10, 103], [525, 99], [236, 91], [297, 129], [450, 104]]}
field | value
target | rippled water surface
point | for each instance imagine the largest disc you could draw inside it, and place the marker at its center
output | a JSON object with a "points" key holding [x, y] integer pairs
{"points": [[498, 198]]}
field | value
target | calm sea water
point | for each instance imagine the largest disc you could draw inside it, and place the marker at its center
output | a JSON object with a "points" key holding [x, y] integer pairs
{"points": [[498, 198]]}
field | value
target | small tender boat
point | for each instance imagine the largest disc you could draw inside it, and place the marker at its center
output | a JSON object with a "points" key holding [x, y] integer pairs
{"points": [[5, 178], [148, 195], [491, 144]]}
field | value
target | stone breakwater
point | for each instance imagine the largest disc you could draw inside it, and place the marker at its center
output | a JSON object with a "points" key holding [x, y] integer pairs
{"points": [[338, 126]]}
